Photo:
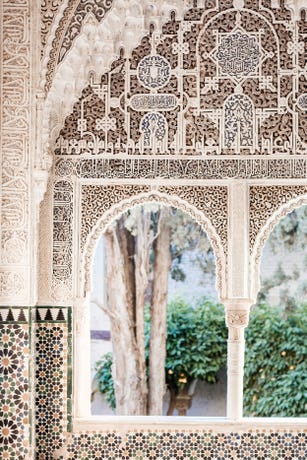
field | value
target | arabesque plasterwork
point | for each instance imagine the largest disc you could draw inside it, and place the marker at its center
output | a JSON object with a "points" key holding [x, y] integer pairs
{"points": [[102, 204], [125, 102], [206, 101], [199, 202], [15, 100], [264, 201], [209, 94], [211, 90]]}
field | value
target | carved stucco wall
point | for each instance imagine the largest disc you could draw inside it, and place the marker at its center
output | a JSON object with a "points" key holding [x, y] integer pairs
{"points": [[207, 107], [15, 61], [213, 92], [183, 114]]}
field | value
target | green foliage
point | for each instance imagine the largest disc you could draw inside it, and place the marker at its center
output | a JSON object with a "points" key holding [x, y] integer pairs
{"points": [[196, 342], [104, 379], [195, 348], [276, 363]]}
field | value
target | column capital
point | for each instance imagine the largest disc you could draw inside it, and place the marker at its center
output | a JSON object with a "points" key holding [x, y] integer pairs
{"points": [[237, 312], [237, 318]]}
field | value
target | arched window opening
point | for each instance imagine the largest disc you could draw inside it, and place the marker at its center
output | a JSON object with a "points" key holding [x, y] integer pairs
{"points": [[276, 350], [154, 276]]}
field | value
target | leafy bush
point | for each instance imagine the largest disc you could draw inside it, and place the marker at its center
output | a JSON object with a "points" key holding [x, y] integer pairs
{"points": [[104, 378], [276, 363], [196, 344], [195, 349], [275, 360]]}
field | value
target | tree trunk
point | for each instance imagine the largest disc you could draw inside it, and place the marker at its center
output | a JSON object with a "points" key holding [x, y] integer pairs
{"points": [[172, 402], [128, 366], [157, 348], [141, 262], [127, 283]]}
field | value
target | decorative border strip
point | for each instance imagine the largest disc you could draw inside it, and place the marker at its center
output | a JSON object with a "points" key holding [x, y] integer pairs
{"points": [[187, 168], [14, 315], [21, 315], [183, 444], [60, 315], [51, 314]]}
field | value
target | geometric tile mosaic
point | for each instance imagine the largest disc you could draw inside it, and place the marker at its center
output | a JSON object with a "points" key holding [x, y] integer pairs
{"points": [[52, 379], [14, 390], [50, 329], [188, 445]]}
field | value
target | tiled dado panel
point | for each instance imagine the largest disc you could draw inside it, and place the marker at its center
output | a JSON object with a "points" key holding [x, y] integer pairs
{"points": [[15, 333], [45, 334], [171, 444], [52, 379], [35, 368]]}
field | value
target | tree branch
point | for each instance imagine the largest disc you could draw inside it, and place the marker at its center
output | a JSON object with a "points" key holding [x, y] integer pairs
{"points": [[106, 310]]}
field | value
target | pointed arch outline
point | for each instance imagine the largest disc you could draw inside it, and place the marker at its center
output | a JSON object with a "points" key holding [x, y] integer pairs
{"points": [[263, 236], [151, 197]]}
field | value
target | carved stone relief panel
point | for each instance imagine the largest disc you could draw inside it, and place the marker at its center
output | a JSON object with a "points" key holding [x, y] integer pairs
{"points": [[45, 247], [14, 146], [152, 167], [62, 240], [221, 83]]}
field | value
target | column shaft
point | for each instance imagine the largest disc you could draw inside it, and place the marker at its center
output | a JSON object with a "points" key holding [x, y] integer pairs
{"points": [[82, 354], [235, 368]]}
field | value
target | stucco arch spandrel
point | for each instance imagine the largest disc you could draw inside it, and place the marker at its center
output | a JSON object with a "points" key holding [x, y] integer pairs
{"points": [[278, 212], [104, 216], [66, 27], [59, 32], [86, 37], [69, 17]]}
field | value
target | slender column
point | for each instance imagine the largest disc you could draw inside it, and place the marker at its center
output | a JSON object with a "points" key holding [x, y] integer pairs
{"points": [[237, 313], [82, 352], [237, 302], [235, 369]]}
